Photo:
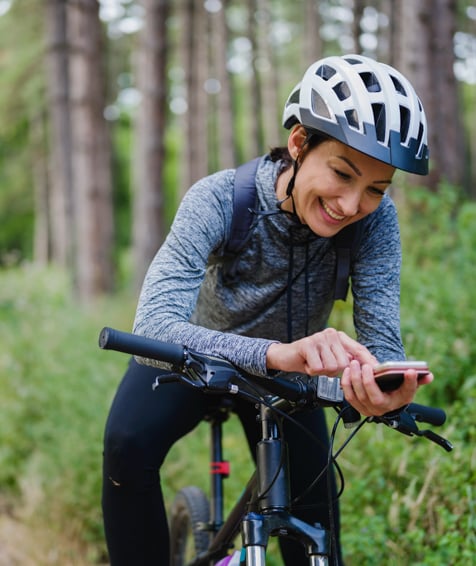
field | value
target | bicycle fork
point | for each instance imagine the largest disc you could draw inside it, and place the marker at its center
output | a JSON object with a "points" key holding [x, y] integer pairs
{"points": [[273, 517]]}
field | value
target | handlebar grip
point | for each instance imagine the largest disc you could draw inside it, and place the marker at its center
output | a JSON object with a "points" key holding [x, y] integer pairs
{"points": [[424, 414], [111, 339]]}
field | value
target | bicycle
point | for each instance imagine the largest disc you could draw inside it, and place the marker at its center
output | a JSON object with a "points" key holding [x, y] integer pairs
{"points": [[200, 535]]}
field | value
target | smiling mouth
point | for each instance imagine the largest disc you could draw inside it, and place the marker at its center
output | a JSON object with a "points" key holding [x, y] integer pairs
{"points": [[330, 212]]}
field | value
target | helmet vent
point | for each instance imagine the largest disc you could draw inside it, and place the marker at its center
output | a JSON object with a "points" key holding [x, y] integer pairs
{"points": [[370, 81], [379, 121], [319, 106], [294, 98], [352, 118], [325, 72], [342, 90], [404, 123], [398, 85], [421, 131]]}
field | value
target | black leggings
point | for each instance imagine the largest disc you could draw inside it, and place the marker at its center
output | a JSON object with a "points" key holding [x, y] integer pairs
{"points": [[141, 428]]}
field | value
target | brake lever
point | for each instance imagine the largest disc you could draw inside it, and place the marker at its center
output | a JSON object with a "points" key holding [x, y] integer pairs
{"points": [[437, 439], [406, 424], [202, 372], [175, 378]]}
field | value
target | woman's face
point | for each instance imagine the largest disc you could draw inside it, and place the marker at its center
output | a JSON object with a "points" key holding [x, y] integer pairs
{"points": [[335, 185]]}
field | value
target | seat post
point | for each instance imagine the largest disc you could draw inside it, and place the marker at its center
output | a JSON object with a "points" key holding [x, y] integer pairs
{"points": [[219, 468]]}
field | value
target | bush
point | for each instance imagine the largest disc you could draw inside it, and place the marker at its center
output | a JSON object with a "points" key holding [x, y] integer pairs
{"points": [[438, 294], [56, 388], [405, 500]]}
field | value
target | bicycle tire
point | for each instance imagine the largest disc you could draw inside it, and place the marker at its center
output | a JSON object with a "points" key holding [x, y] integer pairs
{"points": [[190, 510]]}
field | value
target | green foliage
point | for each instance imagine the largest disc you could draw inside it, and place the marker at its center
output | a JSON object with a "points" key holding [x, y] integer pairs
{"points": [[438, 297], [56, 388], [405, 499], [21, 102]]}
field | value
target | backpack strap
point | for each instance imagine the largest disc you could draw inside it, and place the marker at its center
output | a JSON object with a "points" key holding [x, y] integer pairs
{"points": [[244, 199], [345, 242]]}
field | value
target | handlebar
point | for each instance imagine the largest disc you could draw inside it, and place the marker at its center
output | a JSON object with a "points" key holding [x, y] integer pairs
{"points": [[214, 375], [111, 339]]}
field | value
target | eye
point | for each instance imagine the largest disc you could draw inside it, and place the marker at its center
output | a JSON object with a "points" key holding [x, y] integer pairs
{"points": [[342, 175], [376, 192]]}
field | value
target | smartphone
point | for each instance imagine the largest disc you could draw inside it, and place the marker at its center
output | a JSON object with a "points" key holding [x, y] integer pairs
{"points": [[389, 375]]}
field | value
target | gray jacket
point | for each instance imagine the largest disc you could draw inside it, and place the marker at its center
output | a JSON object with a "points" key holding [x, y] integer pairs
{"points": [[286, 278]]}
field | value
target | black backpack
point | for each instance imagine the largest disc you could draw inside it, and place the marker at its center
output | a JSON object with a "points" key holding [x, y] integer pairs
{"points": [[244, 200]]}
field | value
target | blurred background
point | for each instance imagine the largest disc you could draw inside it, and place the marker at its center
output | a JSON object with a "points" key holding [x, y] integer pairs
{"points": [[109, 111]]}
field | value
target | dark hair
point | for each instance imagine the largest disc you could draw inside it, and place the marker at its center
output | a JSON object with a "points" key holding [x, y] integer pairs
{"points": [[313, 139]]}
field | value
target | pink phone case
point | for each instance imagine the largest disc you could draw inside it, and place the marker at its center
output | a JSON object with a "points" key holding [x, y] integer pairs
{"points": [[391, 376]]}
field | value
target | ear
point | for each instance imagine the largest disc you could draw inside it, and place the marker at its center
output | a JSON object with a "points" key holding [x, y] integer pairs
{"points": [[296, 140]]}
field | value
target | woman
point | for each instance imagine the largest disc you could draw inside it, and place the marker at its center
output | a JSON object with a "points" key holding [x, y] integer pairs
{"points": [[353, 121]]}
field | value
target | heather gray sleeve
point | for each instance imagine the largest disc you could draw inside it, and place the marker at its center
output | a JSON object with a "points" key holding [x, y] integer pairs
{"points": [[172, 283], [376, 285]]}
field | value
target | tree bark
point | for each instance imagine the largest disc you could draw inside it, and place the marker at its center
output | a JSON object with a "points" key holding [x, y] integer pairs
{"points": [[91, 153], [312, 32], [359, 6], [268, 73], [253, 118], [196, 73], [223, 133], [42, 232], [151, 71], [425, 54], [61, 177]]}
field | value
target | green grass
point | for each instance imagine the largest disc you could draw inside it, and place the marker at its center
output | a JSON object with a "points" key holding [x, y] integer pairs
{"points": [[406, 500], [56, 388]]}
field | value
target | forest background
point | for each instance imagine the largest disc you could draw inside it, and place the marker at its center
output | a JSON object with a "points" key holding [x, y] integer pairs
{"points": [[108, 112]]}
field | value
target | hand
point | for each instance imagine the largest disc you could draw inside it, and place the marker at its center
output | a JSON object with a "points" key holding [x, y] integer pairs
{"points": [[327, 352], [362, 392]]}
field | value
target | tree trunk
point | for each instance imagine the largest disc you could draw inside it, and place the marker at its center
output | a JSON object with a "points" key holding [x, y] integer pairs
{"points": [[151, 71], [196, 73], [61, 178], [224, 131], [448, 150], [359, 6], [267, 70], [253, 117], [91, 152], [42, 233], [312, 33], [425, 54]]}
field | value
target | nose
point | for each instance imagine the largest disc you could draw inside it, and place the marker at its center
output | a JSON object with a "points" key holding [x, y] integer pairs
{"points": [[349, 203]]}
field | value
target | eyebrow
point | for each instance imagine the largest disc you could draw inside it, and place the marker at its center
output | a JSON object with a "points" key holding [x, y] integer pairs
{"points": [[358, 172]]}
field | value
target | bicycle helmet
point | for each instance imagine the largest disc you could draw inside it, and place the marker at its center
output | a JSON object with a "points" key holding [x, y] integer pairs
{"points": [[366, 105]]}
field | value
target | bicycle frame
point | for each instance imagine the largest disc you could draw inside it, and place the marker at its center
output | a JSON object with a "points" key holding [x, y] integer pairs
{"points": [[263, 510]]}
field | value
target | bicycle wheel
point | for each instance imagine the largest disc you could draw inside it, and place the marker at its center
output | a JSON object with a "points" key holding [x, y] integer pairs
{"points": [[189, 509]]}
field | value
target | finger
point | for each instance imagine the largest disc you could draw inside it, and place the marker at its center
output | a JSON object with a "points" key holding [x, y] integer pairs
{"points": [[330, 360], [358, 351], [352, 386], [410, 382], [357, 381], [425, 379], [341, 356], [313, 363]]}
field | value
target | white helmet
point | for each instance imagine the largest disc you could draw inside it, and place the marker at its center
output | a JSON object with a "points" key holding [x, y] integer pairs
{"points": [[366, 105]]}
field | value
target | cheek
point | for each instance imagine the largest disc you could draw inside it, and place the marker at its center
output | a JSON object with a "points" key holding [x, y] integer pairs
{"points": [[369, 204]]}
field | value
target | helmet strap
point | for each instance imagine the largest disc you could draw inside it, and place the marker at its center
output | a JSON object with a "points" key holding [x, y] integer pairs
{"points": [[289, 189], [296, 163]]}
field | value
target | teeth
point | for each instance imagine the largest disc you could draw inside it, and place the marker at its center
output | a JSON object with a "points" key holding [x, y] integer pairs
{"points": [[330, 212]]}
